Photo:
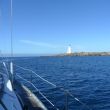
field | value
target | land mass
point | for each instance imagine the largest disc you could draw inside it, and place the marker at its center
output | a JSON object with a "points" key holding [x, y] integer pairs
{"points": [[86, 54]]}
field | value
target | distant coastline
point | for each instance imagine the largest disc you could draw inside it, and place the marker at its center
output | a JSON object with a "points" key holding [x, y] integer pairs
{"points": [[86, 54], [62, 54]]}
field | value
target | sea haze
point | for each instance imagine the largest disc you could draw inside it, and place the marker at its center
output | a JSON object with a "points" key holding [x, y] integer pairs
{"points": [[87, 78]]}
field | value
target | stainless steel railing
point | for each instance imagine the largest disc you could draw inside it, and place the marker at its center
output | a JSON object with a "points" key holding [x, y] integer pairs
{"points": [[66, 92]]}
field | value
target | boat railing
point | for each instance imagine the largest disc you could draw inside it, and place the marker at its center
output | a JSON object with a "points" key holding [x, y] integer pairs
{"points": [[2, 76], [37, 90], [66, 92], [5, 74], [1, 81]]}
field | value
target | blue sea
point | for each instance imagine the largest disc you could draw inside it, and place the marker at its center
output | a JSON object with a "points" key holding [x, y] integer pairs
{"points": [[86, 77]]}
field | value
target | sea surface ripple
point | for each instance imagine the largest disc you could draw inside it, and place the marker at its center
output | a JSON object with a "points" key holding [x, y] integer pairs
{"points": [[87, 78]]}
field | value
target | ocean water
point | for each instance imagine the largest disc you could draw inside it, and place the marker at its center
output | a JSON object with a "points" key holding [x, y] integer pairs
{"points": [[87, 78]]}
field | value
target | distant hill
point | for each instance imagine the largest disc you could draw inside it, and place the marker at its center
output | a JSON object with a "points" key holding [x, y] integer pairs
{"points": [[86, 54]]}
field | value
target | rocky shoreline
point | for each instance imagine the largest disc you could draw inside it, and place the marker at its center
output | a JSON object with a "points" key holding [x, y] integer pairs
{"points": [[86, 54]]}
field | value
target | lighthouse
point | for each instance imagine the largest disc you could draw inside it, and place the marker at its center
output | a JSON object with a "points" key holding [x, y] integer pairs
{"points": [[69, 50]]}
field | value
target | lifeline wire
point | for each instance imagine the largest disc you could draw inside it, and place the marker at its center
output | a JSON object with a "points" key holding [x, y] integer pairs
{"points": [[55, 86], [37, 90]]}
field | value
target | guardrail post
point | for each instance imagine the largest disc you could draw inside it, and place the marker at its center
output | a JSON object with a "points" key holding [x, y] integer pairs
{"points": [[66, 100]]}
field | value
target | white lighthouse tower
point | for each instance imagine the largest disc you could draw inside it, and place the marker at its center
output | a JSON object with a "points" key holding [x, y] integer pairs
{"points": [[69, 50]]}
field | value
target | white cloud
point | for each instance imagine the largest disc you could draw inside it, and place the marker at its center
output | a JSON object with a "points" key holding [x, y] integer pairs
{"points": [[41, 44]]}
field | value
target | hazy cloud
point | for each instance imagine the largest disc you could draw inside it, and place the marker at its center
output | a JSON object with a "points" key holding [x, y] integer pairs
{"points": [[41, 44]]}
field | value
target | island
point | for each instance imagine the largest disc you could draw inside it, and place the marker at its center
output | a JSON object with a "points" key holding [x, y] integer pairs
{"points": [[85, 54]]}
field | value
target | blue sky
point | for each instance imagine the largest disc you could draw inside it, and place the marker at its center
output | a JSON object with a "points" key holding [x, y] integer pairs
{"points": [[49, 26]]}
